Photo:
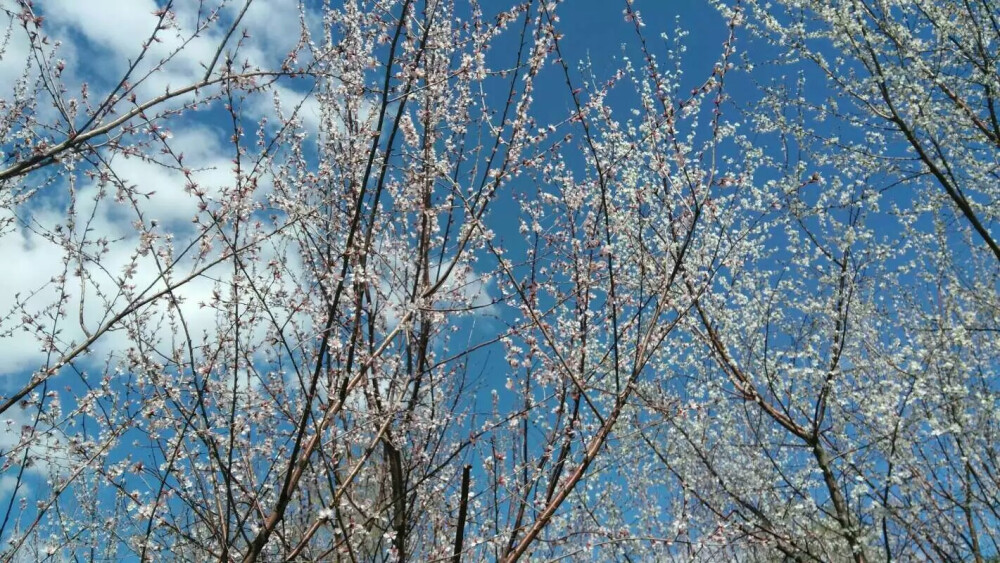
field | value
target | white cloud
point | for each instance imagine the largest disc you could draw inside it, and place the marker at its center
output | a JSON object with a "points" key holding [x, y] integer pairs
{"points": [[276, 29], [309, 110], [47, 448], [34, 260], [189, 47], [119, 26], [25, 274], [7, 485], [15, 52], [105, 45], [120, 39]]}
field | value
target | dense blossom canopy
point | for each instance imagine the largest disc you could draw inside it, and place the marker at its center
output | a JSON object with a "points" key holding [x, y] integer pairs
{"points": [[413, 280]]}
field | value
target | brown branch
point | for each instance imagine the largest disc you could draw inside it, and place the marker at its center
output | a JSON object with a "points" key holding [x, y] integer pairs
{"points": [[462, 508]]}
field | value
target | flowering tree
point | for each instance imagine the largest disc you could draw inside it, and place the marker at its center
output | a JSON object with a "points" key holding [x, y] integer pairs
{"points": [[327, 284], [272, 326], [849, 403]]}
